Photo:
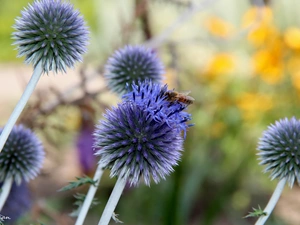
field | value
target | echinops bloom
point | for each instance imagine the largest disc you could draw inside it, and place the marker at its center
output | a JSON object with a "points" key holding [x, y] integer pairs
{"points": [[142, 137], [130, 65], [22, 155], [133, 145], [51, 32], [279, 150]]}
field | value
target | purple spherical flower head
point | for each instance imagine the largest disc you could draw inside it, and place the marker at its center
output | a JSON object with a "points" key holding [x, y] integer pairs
{"points": [[152, 97], [18, 202], [51, 32], [22, 155], [279, 150], [136, 146], [131, 64]]}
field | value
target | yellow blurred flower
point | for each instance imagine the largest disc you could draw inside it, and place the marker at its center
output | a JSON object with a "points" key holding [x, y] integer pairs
{"points": [[260, 21], [221, 63], [268, 62], [219, 27], [293, 63], [263, 15], [253, 105], [292, 38], [261, 34]]}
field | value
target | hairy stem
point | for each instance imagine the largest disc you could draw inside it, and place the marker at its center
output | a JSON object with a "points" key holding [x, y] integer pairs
{"points": [[272, 202], [5, 191], [21, 104], [89, 197], [112, 201]]}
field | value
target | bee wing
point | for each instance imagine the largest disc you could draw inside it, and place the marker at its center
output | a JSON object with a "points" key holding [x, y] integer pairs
{"points": [[185, 92], [191, 98]]}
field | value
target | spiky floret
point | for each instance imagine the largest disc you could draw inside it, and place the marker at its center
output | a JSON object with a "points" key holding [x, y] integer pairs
{"points": [[131, 64], [136, 146], [22, 155], [279, 150], [152, 97], [51, 32]]}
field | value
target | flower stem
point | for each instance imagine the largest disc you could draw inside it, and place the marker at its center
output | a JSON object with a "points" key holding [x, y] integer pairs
{"points": [[112, 201], [21, 104], [5, 191], [272, 202], [89, 197]]}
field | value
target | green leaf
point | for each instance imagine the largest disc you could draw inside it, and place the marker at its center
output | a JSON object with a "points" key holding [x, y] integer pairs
{"points": [[80, 181], [256, 213]]}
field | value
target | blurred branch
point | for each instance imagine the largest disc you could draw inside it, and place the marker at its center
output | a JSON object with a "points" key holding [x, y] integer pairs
{"points": [[178, 3], [235, 37], [250, 27], [142, 12], [36, 114], [260, 3], [61, 97], [187, 14]]}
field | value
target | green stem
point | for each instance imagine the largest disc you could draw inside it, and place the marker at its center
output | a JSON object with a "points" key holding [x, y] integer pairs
{"points": [[5, 191], [112, 201], [21, 104], [89, 197], [272, 202]]}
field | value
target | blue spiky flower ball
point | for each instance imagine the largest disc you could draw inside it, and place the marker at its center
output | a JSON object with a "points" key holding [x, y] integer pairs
{"points": [[22, 155], [51, 32], [130, 65], [142, 138], [279, 150]]}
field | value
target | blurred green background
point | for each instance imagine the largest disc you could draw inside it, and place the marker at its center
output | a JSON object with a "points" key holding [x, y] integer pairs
{"points": [[241, 63]]}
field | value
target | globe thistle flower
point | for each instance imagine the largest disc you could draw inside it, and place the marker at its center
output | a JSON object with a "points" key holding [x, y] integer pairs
{"points": [[136, 146], [19, 202], [140, 139], [279, 150], [132, 64], [152, 97], [22, 155], [51, 32]]}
